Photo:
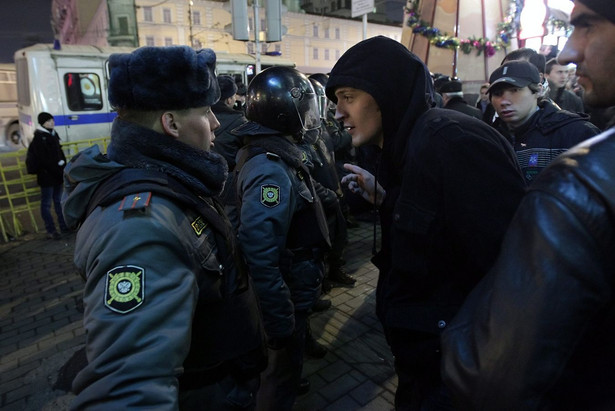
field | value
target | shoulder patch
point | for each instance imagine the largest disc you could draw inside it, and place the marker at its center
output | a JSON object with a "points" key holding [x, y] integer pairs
{"points": [[199, 225], [270, 195], [135, 201], [124, 288]]}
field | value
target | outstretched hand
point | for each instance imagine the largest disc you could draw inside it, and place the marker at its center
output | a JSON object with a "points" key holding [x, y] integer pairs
{"points": [[363, 183]]}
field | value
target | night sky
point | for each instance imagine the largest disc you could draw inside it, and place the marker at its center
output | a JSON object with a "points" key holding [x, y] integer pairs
{"points": [[23, 23]]}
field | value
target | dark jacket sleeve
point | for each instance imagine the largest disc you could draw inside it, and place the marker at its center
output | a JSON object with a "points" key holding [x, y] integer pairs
{"points": [[514, 335], [262, 234], [134, 358]]}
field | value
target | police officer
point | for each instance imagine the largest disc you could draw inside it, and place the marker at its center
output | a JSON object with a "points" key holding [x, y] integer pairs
{"points": [[282, 229], [170, 315]]}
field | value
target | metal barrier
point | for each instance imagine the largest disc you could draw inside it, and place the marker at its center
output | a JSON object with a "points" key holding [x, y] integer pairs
{"points": [[19, 193]]}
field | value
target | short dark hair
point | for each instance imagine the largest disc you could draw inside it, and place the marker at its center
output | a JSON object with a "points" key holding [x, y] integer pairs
{"points": [[527, 54], [552, 62]]}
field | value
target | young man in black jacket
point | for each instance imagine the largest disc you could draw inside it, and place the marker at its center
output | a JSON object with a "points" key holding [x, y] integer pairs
{"points": [[447, 186], [46, 159], [538, 130], [537, 333]]}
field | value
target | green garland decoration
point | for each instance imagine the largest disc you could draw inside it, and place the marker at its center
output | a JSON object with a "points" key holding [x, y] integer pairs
{"points": [[480, 44]]}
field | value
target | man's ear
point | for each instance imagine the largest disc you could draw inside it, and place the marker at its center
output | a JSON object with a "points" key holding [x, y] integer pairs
{"points": [[168, 120]]}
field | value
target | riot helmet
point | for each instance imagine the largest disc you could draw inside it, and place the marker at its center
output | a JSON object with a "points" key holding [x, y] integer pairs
{"points": [[284, 100], [322, 97], [322, 78]]}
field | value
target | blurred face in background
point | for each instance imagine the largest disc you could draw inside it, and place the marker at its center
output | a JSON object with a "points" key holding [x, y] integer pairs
{"points": [[558, 75]]}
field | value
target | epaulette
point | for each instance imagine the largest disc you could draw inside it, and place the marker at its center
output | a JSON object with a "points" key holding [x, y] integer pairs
{"points": [[272, 156], [136, 201]]}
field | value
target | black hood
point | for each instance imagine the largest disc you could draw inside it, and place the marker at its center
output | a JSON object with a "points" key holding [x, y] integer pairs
{"points": [[397, 79]]}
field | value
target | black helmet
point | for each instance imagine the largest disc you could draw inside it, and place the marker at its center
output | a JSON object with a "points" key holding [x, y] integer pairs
{"points": [[322, 78], [322, 97], [284, 100]]}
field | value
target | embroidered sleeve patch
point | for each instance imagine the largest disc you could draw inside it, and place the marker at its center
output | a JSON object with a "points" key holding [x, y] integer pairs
{"points": [[124, 288], [270, 195], [199, 225]]}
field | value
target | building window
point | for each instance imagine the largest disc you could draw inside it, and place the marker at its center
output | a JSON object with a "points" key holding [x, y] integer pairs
{"points": [[149, 41], [337, 54], [168, 41], [326, 32], [326, 54], [122, 23], [337, 33], [196, 18], [315, 30], [278, 48], [166, 15], [147, 14], [315, 53], [333, 6], [83, 91]]}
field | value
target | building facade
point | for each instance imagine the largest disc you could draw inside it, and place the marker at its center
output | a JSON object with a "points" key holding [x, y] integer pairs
{"points": [[314, 42]]}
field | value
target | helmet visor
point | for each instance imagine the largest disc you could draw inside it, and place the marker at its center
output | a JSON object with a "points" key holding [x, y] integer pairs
{"points": [[307, 108]]}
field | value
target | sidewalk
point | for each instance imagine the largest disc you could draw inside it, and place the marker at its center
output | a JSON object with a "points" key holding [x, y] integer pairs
{"points": [[41, 329]]}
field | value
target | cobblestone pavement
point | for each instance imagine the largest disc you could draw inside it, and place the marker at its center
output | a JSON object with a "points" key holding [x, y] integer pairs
{"points": [[41, 331]]}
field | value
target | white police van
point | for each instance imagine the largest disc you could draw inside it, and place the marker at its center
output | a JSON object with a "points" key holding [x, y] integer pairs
{"points": [[71, 83]]}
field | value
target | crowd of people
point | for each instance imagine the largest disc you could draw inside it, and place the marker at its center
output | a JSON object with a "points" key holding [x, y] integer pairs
{"points": [[219, 216]]}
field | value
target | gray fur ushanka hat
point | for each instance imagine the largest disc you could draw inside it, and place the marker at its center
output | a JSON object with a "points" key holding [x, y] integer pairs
{"points": [[167, 78]]}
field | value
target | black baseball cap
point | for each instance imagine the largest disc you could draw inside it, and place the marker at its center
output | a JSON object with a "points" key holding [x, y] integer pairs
{"points": [[518, 73]]}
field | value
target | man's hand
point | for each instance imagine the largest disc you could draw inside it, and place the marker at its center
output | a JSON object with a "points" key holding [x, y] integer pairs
{"points": [[363, 183]]}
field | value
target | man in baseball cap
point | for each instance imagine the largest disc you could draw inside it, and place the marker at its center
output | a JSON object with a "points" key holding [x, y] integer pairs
{"points": [[538, 129], [516, 73], [537, 333]]}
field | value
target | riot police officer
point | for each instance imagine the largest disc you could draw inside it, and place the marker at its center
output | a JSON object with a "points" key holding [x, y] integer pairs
{"points": [[282, 229]]}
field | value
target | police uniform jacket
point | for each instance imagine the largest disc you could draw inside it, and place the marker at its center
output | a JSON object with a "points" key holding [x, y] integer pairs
{"points": [[45, 158], [546, 135], [163, 300], [537, 333], [278, 232]]}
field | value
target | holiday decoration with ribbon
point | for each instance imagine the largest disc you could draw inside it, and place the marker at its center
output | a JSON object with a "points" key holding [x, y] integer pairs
{"points": [[506, 29]]}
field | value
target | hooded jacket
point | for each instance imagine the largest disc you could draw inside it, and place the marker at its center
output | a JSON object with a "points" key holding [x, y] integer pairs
{"points": [[537, 332], [452, 185], [547, 134], [165, 307]]}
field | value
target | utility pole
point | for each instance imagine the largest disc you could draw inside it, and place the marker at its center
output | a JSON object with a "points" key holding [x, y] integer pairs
{"points": [[190, 3], [257, 29]]}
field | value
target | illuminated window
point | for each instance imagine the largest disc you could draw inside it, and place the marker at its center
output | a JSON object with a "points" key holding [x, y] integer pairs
{"points": [[83, 91]]}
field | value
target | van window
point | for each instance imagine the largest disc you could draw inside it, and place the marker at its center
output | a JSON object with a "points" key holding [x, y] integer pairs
{"points": [[83, 91]]}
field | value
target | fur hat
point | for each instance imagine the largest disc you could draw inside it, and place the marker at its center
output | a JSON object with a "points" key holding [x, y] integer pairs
{"points": [[228, 88], [168, 78], [451, 86], [43, 117]]}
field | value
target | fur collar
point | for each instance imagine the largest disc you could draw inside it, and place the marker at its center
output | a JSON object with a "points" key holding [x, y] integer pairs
{"points": [[136, 146]]}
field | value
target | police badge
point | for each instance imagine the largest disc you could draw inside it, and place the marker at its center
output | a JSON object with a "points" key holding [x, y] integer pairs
{"points": [[124, 288], [270, 195]]}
